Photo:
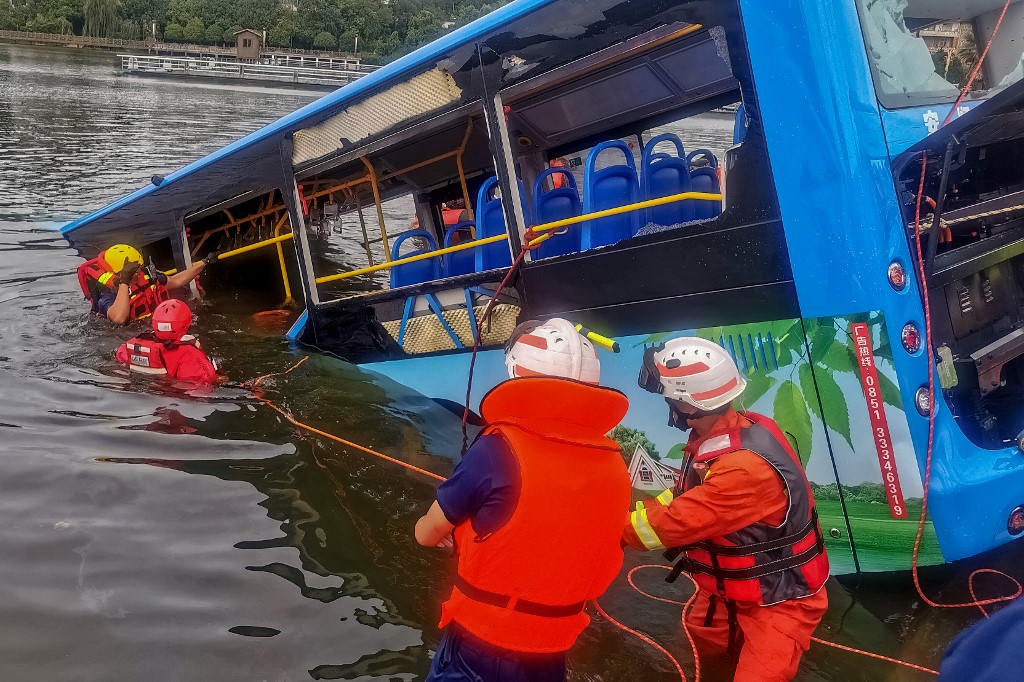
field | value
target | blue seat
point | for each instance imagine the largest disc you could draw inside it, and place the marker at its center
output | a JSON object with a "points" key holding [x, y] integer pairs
{"points": [[425, 270], [490, 222], [705, 179], [609, 187], [459, 262], [663, 175], [557, 204], [739, 126]]}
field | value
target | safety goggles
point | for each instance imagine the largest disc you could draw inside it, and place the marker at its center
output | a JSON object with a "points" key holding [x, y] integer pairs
{"points": [[649, 378]]}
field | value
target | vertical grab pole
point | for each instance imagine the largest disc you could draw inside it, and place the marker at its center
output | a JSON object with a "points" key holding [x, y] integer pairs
{"points": [[372, 173], [362, 225], [288, 300], [462, 173]]}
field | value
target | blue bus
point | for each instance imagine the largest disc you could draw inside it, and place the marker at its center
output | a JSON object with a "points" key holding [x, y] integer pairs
{"points": [[744, 171]]}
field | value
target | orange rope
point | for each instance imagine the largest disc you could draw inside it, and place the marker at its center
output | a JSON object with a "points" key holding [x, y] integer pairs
{"points": [[687, 604], [931, 435], [629, 576]]}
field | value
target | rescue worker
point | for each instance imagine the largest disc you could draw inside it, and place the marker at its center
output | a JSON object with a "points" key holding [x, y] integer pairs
{"points": [[741, 520], [169, 349], [536, 506], [122, 289]]}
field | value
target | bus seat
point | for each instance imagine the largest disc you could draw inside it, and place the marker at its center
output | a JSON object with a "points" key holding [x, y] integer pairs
{"points": [[609, 187], [425, 270], [459, 262], [557, 204], [663, 175], [705, 179], [490, 222], [739, 126]]}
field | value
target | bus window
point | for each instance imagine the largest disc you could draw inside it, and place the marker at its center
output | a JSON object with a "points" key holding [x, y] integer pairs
{"points": [[922, 53]]}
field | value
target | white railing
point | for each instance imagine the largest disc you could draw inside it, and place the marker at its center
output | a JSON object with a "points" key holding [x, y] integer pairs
{"points": [[191, 66]]}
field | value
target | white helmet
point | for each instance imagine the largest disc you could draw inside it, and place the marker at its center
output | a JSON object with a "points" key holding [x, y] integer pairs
{"points": [[698, 372], [551, 348]]}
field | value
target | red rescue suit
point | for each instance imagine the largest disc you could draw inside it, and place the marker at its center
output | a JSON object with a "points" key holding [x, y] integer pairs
{"points": [[183, 360], [524, 587], [743, 519], [145, 293]]}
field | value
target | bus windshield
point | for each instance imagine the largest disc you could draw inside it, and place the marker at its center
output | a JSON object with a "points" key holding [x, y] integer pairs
{"points": [[923, 51]]}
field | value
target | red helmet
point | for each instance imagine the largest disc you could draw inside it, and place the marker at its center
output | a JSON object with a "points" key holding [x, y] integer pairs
{"points": [[171, 320]]}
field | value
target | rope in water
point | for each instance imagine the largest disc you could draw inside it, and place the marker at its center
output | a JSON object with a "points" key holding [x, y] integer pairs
{"points": [[255, 384]]}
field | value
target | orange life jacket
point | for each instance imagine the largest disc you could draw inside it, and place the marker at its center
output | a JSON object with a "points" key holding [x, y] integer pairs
{"points": [[762, 563], [147, 354], [450, 216], [557, 179], [145, 293], [524, 587]]}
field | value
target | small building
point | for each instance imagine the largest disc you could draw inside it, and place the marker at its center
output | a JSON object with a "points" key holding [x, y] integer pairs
{"points": [[247, 42]]}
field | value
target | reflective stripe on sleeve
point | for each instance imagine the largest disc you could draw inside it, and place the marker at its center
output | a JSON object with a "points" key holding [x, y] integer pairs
{"points": [[105, 277], [666, 497], [644, 530]]}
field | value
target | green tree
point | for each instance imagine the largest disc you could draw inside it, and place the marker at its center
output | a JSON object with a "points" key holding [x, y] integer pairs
{"points": [[174, 32], [628, 439], [283, 32], [100, 17], [214, 33], [195, 31], [229, 34], [325, 41]]}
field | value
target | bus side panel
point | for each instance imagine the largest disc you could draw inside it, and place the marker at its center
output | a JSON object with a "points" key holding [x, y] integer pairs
{"points": [[771, 355], [850, 384]]}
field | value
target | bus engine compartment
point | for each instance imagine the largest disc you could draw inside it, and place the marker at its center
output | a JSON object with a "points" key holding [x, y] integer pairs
{"points": [[974, 261]]}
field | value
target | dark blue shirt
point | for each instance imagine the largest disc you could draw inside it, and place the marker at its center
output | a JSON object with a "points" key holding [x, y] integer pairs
{"points": [[101, 303], [484, 487]]}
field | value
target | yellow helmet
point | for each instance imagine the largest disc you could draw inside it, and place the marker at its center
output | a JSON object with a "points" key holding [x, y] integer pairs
{"points": [[119, 254]]}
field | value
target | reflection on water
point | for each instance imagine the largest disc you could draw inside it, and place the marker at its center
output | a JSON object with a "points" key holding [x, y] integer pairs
{"points": [[155, 534]]}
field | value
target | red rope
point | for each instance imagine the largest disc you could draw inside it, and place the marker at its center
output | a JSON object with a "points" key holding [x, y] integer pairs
{"points": [[977, 67], [931, 430]]}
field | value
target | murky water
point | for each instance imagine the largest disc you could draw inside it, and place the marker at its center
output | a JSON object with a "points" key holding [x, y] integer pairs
{"points": [[155, 534]]}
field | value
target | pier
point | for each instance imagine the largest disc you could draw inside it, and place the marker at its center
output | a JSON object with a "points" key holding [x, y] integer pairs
{"points": [[315, 71]]}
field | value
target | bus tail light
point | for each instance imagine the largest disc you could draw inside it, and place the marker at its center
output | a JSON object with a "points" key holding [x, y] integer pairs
{"points": [[923, 401], [911, 337], [1015, 524], [897, 276]]}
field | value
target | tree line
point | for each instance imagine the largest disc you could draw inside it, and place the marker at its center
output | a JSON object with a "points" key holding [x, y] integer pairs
{"points": [[376, 29]]}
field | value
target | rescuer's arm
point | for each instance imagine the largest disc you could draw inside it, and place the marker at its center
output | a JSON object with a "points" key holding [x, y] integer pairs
{"points": [[120, 309], [433, 529], [182, 279], [741, 489]]}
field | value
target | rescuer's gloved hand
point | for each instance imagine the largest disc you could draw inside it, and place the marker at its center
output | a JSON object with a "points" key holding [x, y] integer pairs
{"points": [[211, 258], [127, 273]]}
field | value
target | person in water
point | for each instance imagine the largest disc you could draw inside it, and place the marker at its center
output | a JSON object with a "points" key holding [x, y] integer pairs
{"points": [[169, 349], [122, 289], [526, 568], [741, 519]]}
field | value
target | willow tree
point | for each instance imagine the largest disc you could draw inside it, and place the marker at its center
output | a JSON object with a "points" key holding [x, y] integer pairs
{"points": [[101, 17]]}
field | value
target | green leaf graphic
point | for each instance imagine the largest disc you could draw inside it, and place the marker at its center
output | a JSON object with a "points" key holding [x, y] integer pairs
{"points": [[832, 410], [890, 392], [790, 342], [758, 383], [822, 341], [790, 412], [839, 357]]}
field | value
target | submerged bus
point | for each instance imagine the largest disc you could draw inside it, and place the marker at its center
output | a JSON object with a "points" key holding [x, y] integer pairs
{"points": [[785, 141]]}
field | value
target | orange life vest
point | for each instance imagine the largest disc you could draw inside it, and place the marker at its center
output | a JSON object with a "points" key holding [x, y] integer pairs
{"points": [[450, 216], [145, 293], [147, 354], [761, 564], [524, 587]]}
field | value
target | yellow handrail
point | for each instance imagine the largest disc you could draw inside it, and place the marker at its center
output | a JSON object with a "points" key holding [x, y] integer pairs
{"points": [[640, 205], [245, 249], [412, 259], [544, 227], [288, 300]]}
